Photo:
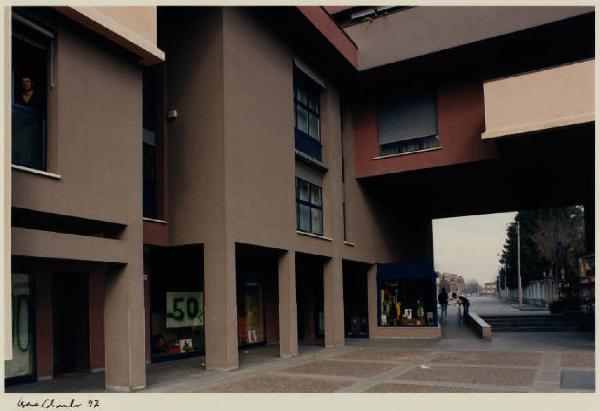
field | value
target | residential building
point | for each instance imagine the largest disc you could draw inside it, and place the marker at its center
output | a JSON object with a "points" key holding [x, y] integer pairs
{"points": [[189, 180]]}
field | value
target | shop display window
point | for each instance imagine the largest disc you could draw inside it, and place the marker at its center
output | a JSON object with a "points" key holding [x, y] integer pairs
{"points": [[406, 303], [251, 318], [179, 328], [21, 364]]}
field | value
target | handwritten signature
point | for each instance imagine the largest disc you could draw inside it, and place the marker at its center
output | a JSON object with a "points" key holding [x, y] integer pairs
{"points": [[53, 403]]}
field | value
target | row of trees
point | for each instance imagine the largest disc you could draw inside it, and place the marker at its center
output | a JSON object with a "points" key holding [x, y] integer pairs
{"points": [[551, 242]]}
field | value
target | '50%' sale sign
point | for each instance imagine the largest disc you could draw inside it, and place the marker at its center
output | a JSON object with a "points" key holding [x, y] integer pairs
{"points": [[185, 309]]}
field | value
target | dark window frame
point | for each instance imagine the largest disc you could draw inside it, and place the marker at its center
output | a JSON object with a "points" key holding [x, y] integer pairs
{"points": [[305, 141], [310, 205]]}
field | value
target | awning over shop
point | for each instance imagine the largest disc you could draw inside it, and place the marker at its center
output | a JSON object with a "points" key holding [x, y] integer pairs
{"points": [[409, 270]]}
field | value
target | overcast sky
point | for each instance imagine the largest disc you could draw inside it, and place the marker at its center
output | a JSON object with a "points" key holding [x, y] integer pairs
{"points": [[469, 246]]}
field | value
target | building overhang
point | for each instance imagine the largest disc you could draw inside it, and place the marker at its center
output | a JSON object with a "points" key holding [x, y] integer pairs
{"points": [[99, 20], [323, 22], [541, 100]]}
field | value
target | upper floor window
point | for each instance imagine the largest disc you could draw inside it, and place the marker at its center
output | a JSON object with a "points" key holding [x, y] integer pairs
{"points": [[31, 46], [308, 117], [309, 207], [408, 123]]}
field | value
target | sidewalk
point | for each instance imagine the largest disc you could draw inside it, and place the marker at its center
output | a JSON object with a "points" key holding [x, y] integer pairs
{"points": [[512, 362]]}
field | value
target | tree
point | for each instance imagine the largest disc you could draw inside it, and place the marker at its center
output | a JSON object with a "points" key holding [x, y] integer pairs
{"points": [[551, 241], [473, 287]]}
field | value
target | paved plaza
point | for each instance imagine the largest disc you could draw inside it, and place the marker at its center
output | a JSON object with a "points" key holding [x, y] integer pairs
{"points": [[459, 362]]}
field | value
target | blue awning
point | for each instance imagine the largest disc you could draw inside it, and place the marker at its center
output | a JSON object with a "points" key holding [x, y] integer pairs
{"points": [[410, 270]]}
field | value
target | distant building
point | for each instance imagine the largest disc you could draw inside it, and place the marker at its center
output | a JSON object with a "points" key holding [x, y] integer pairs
{"points": [[489, 288], [453, 283]]}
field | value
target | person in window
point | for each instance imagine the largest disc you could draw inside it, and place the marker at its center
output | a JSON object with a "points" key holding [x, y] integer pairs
{"points": [[29, 97], [464, 301], [443, 301]]}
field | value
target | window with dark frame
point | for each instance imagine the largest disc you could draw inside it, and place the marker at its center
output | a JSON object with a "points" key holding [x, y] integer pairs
{"points": [[309, 207], [149, 105], [408, 123], [31, 59], [307, 116]]}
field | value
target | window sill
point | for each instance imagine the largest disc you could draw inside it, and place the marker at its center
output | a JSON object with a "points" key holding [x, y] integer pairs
{"points": [[38, 172], [348, 243], [153, 220], [305, 158], [407, 153], [320, 237]]}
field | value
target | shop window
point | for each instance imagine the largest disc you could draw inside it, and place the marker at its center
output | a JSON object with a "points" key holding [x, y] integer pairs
{"points": [[406, 303], [307, 116], [21, 364], [251, 319], [176, 301], [309, 207], [408, 123], [406, 294], [31, 55]]}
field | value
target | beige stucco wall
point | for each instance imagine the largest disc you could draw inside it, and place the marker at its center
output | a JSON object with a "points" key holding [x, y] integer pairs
{"points": [[5, 180], [540, 100], [422, 30]]}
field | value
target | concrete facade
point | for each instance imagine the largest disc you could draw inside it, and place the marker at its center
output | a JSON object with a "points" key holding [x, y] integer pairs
{"points": [[226, 170]]}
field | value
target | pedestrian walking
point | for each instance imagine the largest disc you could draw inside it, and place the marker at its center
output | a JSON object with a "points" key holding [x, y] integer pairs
{"points": [[443, 301]]}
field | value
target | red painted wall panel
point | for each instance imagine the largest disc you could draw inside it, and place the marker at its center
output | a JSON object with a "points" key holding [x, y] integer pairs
{"points": [[43, 325], [96, 301], [461, 120]]}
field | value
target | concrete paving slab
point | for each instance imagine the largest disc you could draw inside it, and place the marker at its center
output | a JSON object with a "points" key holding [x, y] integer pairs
{"points": [[577, 360], [573, 379], [342, 368], [472, 375], [422, 388], [272, 383], [488, 358], [382, 354]]}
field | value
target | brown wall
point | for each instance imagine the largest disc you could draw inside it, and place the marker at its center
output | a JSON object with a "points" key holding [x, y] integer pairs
{"points": [[231, 152], [95, 172], [461, 120], [196, 164]]}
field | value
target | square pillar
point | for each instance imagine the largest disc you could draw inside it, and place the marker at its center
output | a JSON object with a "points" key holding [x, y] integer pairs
{"points": [[288, 315], [372, 299], [220, 315], [333, 285], [124, 329]]}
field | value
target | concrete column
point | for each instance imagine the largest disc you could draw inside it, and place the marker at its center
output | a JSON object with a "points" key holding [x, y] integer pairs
{"points": [[372, 299], [124, 330], [220, 305], [334, 302], [288, 315]]}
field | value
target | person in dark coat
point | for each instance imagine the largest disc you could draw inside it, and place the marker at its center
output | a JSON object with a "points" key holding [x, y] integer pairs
{"points": [[443, 301], [464, 301]]}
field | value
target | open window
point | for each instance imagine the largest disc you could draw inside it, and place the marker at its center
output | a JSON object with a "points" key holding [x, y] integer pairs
{"points": [[31, 74]]}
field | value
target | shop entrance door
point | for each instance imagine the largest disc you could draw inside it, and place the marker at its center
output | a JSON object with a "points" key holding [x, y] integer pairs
{"points": [[71, 322]]}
